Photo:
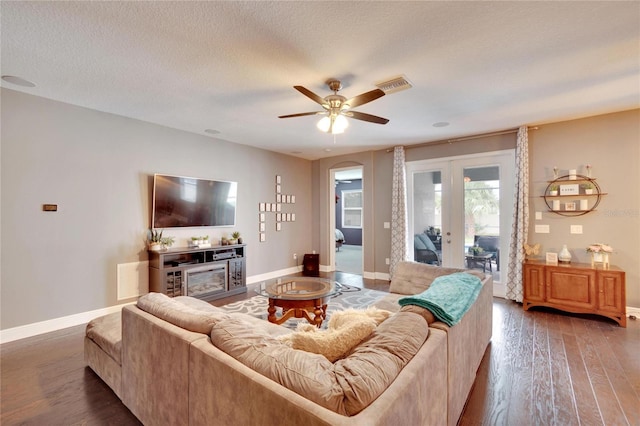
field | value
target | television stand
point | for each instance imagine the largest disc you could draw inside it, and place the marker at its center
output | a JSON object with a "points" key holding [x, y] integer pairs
{"points": [[205, 273]]}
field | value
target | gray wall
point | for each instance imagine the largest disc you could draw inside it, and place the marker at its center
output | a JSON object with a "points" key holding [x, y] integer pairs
{"points": [[97, 168], [609, 142]]}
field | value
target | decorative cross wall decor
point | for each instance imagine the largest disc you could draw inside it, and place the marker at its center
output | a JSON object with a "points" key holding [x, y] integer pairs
{"points": [[277, 209]]}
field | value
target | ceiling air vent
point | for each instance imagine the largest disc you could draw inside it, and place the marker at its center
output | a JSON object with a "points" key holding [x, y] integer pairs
{"points": [[394, 85]]}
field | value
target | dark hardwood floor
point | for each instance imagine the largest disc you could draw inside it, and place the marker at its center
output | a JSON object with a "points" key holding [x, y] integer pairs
{"points": [[541, 368]]}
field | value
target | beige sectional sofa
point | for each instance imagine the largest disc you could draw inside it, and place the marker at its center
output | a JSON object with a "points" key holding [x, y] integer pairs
{"points": [[182, 361]]}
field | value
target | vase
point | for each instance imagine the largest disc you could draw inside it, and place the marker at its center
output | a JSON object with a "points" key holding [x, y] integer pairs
{"points": [[564, 255], [600, 257], [588, 191]]}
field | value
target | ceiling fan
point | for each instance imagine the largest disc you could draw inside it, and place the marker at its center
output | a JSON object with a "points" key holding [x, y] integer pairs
{"points": [[337, 107]]}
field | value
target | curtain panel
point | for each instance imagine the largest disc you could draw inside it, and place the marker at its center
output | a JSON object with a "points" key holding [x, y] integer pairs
{"points": [[520, 227], [399, 220]]}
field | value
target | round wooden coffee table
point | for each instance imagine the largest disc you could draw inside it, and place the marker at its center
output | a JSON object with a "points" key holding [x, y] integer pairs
{"points": [[298, 297]]}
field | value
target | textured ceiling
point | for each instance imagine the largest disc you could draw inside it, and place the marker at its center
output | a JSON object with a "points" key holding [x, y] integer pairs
{"points": [[230, 66]]}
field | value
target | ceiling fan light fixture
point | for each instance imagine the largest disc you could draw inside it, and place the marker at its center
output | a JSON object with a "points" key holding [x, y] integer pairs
{"points": [[340, 123], [324, 124]]}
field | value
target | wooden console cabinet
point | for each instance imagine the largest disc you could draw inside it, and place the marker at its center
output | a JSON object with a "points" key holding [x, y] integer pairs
{"points": [[205, 273], [576, 287]]}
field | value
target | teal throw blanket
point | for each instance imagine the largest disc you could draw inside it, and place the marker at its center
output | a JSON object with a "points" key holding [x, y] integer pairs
{"points": [[449, 297]]}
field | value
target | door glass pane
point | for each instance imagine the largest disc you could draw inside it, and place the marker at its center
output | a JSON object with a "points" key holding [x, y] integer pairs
{"points": [[427, 216], [482, 219]]}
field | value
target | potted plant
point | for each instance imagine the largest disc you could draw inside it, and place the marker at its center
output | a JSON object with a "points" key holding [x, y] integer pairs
{"points": [[154, 239], [475, 250], [600, 254], [166, 242], [236, 236], [553, 189], [588, 188]]}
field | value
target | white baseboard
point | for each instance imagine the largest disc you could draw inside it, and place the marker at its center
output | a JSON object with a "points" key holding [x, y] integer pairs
{"points": [[631, 311], [29, 330], [273, 274], [34, 329]]}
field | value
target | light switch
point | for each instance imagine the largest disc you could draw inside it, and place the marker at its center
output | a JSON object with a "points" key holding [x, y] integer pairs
{"points": [[576, 229], [542, 229], [538, 215], [386, 225]]}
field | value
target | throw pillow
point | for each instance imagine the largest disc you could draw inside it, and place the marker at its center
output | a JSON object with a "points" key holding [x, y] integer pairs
{"points": [[333, 344], [340, 318]]}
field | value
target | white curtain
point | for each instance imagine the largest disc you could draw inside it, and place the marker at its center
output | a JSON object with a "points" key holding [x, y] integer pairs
{"points": [[398, 211], [520, 227]]}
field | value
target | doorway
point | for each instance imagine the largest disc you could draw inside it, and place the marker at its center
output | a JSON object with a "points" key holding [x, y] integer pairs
{"points": [[348, 219], [459, 211]]}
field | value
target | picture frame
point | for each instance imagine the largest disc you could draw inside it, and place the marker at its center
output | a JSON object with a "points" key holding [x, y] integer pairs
{"points": [[572, 189], [262, 207], [263, 226], [278, 226], [262, 217], [263, 237], [268, 207], [551, 258], [293, 217], [293, 199], [278, 189], [278, 179], [278, 207], [278, 198], [278, 217], [570, 207]]}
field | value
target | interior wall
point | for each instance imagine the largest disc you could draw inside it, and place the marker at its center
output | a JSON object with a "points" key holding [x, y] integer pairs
{"points": [[384, 174], [98, 167], [611, 145]]}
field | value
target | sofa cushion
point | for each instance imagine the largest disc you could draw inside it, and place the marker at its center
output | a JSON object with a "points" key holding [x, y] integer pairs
{"points": [[307, 374], [198, 319], [415, 277], [426, 242], [373, 365], [419, 310], [106, 332]]}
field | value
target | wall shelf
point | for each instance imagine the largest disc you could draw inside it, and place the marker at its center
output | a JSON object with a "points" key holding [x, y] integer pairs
{"points": [[568, 200]]}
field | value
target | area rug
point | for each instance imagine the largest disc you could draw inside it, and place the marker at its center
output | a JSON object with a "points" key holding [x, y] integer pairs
{"points": [[350, 297]]}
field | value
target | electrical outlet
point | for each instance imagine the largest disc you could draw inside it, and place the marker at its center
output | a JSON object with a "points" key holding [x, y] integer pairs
{"points": [[387, 261], [295, 256]]}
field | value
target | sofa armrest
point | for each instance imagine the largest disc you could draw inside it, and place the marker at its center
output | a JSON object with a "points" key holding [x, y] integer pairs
{"points": [[155, 367]]}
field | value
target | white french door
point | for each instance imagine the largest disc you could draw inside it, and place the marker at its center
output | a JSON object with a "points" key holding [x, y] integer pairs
{"points": [[464, 206]]}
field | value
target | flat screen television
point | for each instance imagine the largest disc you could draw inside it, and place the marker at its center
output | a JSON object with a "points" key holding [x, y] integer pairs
{"points": [[185, 202]]}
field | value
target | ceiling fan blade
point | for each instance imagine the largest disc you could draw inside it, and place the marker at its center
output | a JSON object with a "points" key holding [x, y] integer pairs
{"points": [[366, 117], [309, 94], [364, 98], [301, 114]]}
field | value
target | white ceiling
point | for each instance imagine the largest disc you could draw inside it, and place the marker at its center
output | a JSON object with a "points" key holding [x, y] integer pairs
{"points": [[230, 66]]}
